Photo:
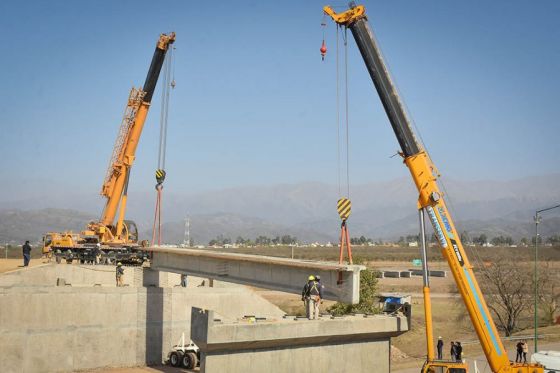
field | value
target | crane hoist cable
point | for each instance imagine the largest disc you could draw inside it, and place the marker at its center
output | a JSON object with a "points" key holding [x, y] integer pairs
{"points": [[338, 111], [344, 204], [168, 85], [347, 111], [323, 49]]}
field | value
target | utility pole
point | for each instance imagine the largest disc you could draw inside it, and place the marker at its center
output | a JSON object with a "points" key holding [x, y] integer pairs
{"points": [[537, 218], [187, 238]]}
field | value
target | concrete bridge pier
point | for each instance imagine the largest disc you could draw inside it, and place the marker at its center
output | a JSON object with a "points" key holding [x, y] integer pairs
{"points": [[348, 344]]}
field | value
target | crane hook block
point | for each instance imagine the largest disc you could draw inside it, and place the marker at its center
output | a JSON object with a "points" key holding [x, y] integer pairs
{"points": [[160, 176], [323, 50], [344, 206]]}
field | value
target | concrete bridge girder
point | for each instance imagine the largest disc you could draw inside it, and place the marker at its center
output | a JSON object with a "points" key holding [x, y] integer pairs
{"points": [[283, 274]]}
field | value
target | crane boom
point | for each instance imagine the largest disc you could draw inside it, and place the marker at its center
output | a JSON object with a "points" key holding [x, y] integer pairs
{"points": [[430, 197], [116, 179], [107, 241]]}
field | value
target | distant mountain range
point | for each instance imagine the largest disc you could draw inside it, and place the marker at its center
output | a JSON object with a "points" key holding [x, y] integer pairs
{"points": [[17, 226], [384, 210]]}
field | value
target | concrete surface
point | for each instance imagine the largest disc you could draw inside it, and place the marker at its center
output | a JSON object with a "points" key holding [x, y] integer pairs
{"points": [[86, 275], [67, 328], [349, 344], [393, 274], [431, 273], [266, 272], [91, 324]]}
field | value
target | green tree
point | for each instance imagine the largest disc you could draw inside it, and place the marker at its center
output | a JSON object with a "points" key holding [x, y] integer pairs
{"points": [[368, 295], [219, 240], [497, 241], [288, 240], [481, 240], [465, 237], [412, 238], [262, 240], [501, 240], [555, 239]]}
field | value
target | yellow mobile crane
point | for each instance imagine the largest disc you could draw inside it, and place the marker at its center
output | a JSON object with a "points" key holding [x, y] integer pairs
{"points": [[431, 201], [106, 239]]}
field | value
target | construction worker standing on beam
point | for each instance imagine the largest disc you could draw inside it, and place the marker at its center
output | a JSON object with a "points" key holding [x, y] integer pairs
{"points": [[119, 275], [312, 295]]}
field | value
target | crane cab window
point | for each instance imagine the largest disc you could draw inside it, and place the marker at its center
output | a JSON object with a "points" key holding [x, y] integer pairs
{"points": [[457, 370], [47, 240]]}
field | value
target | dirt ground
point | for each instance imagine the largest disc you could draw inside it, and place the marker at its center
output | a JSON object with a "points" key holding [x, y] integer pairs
{"points": [[7, 265], [449, 317], [155, 369]]}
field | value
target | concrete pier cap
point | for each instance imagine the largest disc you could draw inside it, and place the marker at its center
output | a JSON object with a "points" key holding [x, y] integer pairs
{"points": [[341, 282], [353, 343]]}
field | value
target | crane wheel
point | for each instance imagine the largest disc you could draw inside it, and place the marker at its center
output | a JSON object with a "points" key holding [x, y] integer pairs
{"points": [[175, 358], [189, 361]]}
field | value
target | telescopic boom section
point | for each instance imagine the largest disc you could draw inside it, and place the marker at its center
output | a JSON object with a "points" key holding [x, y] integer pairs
{"points": [[430, 198], [129, 135]]}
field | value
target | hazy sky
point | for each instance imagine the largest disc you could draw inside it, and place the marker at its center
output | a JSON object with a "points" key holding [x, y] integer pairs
{"points": [[254, 103]]}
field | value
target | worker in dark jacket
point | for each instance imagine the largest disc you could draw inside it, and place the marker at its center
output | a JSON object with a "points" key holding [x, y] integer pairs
{"points": [[313, 294], [453, 351], [26, 248], [440, 348], [519, 348], [459, 351], [321, 286], [305, 294]]}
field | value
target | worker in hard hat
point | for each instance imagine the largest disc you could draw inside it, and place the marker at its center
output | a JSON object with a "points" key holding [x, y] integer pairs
{"points": [[318, 279], [120, 274], [305, 294], [97, 254], [312, 295]]}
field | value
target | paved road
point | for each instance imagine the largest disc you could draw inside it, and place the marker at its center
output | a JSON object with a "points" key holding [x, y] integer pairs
{"points": [[481, 360]]}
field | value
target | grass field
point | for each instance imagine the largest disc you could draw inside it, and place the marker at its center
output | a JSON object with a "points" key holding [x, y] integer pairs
{"points": [[396, 254]]}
